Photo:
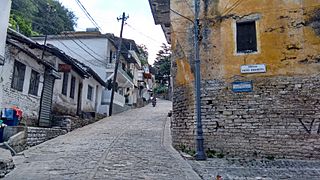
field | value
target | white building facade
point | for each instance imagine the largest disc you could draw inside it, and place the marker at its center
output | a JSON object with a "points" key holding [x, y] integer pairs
{"points": [[5, 6], [98, 51]]}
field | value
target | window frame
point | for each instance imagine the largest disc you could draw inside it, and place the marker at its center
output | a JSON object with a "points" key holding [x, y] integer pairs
{"points": [[18, 76], [90, 92], [34, 83], [254, 50], [72, 87], [65, 82]]}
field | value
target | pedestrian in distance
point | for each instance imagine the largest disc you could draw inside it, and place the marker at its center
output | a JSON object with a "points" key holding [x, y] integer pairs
{"points": [[154, 101]]}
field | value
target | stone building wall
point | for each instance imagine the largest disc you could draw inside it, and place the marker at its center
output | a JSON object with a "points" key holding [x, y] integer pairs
{"points": [[183, 123], [279, 118], [28, 103]]}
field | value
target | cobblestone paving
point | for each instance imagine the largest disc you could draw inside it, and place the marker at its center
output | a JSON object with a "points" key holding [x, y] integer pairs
{"points": [[131, 145], [240, 169]]}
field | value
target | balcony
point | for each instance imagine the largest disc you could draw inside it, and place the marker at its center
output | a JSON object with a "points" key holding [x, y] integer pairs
{"points": [[123, 78], [118, 98]]}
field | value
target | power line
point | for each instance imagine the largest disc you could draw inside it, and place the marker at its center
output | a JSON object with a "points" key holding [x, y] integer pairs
{"points": [[102, 60], [88, 14], [233, 6], [143, 33], [72, 51], [84, 48], [179, 14], [189, 6]]}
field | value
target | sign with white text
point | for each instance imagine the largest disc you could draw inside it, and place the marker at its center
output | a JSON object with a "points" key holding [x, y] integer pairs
{"points": [[254, 68], [242, 86]]}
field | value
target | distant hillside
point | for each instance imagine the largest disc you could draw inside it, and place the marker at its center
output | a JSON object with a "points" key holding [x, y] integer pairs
{"points": [[33, 17]]}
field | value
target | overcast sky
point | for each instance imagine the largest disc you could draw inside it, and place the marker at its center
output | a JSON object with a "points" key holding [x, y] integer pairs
{"points": [[140, 28]]}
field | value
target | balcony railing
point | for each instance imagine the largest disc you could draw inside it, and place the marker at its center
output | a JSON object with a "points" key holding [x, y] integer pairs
{"points": [[123, 72], [118, 98]]}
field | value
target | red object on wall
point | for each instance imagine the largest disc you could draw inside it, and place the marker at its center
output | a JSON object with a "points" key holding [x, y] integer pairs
{"points": [[18, 111], [147, 75], [64, 68]]}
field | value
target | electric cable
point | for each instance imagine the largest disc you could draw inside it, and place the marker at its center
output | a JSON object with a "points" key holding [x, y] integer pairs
{"points": [[88, 14]]}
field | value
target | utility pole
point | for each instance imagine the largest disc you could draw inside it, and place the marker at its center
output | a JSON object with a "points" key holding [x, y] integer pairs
{"points": [[200, 155], [123, 18]]}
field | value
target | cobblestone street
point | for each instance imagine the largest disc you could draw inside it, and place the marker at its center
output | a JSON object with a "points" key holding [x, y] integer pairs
{"points": [[260, 169], [131, 145], [136, 145]]}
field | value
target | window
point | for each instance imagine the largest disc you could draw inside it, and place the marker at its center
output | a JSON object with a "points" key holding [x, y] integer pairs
{"points": [[124, 66], [73, 86], [110, 57], [90, 91], [65, 83], [19, 70], [246, 37], [34, 83]]}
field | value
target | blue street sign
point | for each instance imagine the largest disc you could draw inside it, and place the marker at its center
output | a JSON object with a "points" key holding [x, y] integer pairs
{"points": [[242, 86]]}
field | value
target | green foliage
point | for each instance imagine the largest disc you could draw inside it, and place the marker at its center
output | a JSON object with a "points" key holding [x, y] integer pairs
{"points": [[184, 149], [33, 17], [163, 64], [143, 54], [220, 155], [211, 153], [161, 89], [17, 21]]}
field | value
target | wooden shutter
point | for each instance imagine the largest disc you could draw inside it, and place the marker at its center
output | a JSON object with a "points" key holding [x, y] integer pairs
{"points": [[46, 101]]}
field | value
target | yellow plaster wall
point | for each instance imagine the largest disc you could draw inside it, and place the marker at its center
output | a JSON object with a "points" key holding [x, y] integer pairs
{"points": [[282, 25]]}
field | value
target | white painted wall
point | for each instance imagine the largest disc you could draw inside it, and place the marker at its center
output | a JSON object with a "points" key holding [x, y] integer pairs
{"points": [[100, 46], [70, 104], [5, 6], [64, 103], [99, 63], [29, 104], [94, 104]]}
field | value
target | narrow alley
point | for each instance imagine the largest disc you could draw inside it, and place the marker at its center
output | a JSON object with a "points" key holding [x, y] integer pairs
{"points": [[132, 145]]}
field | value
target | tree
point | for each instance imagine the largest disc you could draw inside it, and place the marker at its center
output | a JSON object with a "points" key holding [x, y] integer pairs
{"points": [[143, 54], [41, 17], [163, 64]]}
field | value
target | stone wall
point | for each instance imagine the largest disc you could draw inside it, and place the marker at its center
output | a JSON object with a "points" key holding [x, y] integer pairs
{"points": [[18, 142], [64, 122], [280, 118], [28, 103], [183, 123], [36, 135], [6, 162]]}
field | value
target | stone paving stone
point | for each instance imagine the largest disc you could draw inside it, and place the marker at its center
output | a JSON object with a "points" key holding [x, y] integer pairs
{"points": [[131, 145], [251, 169]]}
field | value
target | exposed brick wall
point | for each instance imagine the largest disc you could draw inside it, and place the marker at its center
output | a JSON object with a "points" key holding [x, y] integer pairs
{"points": [[280, 118]]}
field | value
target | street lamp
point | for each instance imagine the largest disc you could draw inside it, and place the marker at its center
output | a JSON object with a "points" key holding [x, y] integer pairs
{"points": [[200, 155]]}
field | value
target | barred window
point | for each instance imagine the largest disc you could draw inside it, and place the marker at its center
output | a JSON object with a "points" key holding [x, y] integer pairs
{"points": [[34, 83], [18, 76]]}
